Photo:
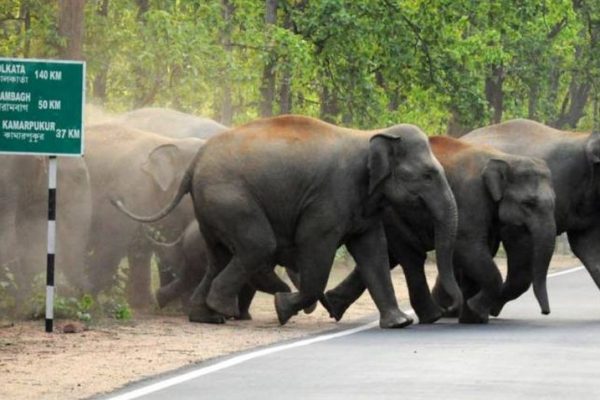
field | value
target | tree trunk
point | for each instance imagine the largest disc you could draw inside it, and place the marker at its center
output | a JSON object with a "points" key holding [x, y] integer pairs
{"points": [[285, 85], [285, 91], [99, 86], [25, 16], [494, 93], [574, 102], [70, 27], [225, 111], [329, 105], [143, 7], [267, 88], [534, 91]]}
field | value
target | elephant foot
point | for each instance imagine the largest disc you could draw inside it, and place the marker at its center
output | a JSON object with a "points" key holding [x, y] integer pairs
{"points": [[446, 313], [244, 316], [468, 316], [334, 304], [394, 320], [477, 306], [430, 316], [161, 298], [496, 309], [310, 309], [284, 307], [471, 318], [225, 305], [201, 313]]}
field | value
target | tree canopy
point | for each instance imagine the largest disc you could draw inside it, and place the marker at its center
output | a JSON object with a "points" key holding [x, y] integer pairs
{"points": [[446, 65]]}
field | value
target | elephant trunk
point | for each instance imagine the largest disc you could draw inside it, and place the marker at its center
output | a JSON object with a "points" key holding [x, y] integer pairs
{"points": [[544, 238], [442, 205]]}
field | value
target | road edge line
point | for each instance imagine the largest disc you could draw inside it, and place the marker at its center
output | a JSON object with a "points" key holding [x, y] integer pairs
{"points": [[155, 387], [235, 360], [568, 271]]}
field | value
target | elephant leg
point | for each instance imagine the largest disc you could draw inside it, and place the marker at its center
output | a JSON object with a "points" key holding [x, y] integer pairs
{"points": [[443, 299], [139, 255], [314, 260], [295, 278], [269, 282], [31, 233], [369, 250], [165, 273], [413, 264], [585, 246], [254, 246], [337, 300], [477, 264], [218, 258], [519, 273], [166, 294], [245, 298], [102, 266], [470, 288]]}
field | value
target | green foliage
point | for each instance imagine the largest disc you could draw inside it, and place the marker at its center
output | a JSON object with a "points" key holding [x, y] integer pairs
{"points": [[123, 312], [360, 63], [108, 304], [69, 307]]}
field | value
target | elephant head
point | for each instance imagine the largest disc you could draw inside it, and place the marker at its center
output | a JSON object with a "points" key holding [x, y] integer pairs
{"points": [[522, 188], [402, 167]]}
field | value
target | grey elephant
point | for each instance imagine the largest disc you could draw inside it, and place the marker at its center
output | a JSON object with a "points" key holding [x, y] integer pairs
{"points": [[290, 190], [172, 123], [144, 168], [499, 197], [574, 161], [24, 219], [176, 125]]}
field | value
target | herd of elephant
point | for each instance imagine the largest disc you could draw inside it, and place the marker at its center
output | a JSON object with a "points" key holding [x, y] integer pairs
{"points": [[289, 191]]}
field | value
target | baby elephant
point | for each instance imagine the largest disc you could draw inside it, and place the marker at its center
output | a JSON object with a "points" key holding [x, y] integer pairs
{"points": [[187, 258]]}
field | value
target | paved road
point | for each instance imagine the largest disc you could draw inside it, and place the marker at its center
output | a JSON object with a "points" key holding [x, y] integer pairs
{"points": [[522, 355]]}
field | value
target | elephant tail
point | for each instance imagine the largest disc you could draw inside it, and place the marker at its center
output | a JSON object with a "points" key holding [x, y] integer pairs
{"points": [[184, 188]]}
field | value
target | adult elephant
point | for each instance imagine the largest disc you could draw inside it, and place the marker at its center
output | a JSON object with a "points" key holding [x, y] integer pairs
{"points": [[172, 123], [290, 190], [176, 125], [24, 211], [574, 161], [496, 194], [144, 168]]}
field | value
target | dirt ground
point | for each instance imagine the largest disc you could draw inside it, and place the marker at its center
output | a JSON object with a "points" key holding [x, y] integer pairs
{"points": [[36, 365]]}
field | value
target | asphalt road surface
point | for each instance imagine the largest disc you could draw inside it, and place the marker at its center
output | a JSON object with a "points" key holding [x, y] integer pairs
{"points": [[521, 355]]}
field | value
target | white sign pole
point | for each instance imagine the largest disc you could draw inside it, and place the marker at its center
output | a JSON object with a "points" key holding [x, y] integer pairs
{"points": [[51, 243]]}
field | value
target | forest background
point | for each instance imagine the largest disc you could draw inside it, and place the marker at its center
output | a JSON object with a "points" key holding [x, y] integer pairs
{"points": [[446, 65]]}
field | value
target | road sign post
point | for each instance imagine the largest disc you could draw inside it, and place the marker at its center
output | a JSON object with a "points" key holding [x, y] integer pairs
{"points": [[41, 113]]}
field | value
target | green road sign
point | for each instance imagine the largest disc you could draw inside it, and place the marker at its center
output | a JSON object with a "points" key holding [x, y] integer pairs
{"points": [[41, 106]]}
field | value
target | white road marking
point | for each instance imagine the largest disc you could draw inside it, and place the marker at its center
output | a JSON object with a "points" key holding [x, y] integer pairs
{"points": [[568, 271], [134, 394], [155, 387]]}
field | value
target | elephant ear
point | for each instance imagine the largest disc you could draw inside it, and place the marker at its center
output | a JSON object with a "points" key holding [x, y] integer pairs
{"points": [[495, 177], [380, 156], [163, 164], [592, 148]]}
